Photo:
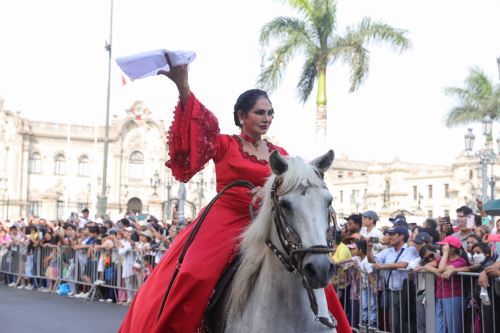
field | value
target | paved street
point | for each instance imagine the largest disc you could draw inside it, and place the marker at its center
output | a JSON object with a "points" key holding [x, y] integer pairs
{"points": [[23, 311]]}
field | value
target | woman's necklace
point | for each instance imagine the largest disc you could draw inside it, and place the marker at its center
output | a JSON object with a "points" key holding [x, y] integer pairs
{"points": [[255, 142]]}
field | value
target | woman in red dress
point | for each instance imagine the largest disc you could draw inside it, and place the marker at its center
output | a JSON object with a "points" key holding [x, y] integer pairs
{"points": [[193, 140]]}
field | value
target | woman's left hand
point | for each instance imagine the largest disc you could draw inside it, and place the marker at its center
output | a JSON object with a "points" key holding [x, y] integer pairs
{"points": [[257, 194]]}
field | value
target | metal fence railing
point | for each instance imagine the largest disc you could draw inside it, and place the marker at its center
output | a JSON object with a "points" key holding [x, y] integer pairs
{"points": [[398, 301], [105, 273], [419, 302]]}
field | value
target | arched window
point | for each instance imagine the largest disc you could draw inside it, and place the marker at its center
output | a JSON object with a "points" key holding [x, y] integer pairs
{"points": [[35, 163], [60, 165], [136, 165], [83, 166]]}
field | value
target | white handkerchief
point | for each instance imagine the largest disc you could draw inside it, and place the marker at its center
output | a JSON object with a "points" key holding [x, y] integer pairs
{"points": [[141, 65]]}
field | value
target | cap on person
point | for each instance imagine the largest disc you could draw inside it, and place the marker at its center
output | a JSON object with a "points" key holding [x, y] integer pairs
{"points": [[399, 230], [451, 241], [355, 217], [129, 229], [352, 245], [371, 215], [399, 220], [422, 238], [85, 210], [148, 234]]}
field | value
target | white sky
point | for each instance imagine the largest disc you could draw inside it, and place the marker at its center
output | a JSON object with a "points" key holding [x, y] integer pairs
{"points": [[53, 67]]}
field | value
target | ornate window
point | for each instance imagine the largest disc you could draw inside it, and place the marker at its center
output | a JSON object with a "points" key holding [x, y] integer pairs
{"points": [[60, 165], [83, 166], [60, 209], [136, 165], [34, 207], [35, 163]]}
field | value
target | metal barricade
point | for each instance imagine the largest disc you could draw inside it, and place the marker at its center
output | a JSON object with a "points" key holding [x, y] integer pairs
{"points": [[416, 302]]}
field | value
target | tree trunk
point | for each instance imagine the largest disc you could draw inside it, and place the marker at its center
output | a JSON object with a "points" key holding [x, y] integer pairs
{"points": [[321, 117]]}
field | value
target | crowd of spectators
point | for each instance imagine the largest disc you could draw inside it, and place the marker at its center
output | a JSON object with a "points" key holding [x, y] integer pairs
{"points": [[71, 256], [381, 272]]}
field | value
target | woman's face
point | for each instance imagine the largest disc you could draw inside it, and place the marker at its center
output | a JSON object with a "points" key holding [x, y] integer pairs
{"points": [[258, 120], [477, 250], [470, 241]]}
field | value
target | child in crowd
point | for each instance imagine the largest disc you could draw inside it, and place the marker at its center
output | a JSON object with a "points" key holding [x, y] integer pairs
{"points": [[368, 288]]}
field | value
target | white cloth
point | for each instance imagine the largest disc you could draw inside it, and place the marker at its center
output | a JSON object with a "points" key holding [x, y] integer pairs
{"points": [[141, 65]]}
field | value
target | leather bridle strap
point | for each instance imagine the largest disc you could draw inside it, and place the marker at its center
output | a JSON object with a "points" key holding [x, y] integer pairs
{"points": [[189, 241]]}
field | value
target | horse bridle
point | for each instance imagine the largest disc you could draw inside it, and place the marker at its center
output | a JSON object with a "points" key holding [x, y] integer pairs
{"points": [[294, 251]]}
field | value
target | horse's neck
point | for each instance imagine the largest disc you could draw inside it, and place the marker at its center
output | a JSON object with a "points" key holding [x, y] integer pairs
{"points": [[279, 299]]}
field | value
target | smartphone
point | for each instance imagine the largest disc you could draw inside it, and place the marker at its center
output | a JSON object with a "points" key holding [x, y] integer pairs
{"points": [[373, 240], [471, 221], [485, 220], [494, 238], [447, 219]]}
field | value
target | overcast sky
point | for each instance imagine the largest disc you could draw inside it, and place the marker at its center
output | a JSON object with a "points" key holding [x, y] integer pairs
{"points": [[53, 67]]}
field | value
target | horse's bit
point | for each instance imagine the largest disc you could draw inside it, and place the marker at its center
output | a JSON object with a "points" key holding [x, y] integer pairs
{"points": [[294, 250]]}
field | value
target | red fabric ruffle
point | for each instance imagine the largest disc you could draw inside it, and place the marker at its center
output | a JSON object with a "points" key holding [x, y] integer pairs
{"points": [[191, 139]]}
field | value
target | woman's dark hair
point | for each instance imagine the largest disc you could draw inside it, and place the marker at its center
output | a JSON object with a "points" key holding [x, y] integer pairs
{"points": [[246, 102], [476, 237], [484, 247], [362, 246], [423, 250], [431, 223]]}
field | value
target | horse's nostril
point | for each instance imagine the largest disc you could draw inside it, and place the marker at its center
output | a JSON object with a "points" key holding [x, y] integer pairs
{"points": [[310, 271], [331, 271]]}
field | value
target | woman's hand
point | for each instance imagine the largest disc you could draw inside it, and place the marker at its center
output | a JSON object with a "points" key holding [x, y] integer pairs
{"points": [[179, 75], [257, 194]]}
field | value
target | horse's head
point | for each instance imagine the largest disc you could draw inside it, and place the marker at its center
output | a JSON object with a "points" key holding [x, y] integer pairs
{"points": [[302, 216]]}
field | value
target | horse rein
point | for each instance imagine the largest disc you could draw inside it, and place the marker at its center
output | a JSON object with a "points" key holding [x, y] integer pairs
{"points": [[294, 250]]}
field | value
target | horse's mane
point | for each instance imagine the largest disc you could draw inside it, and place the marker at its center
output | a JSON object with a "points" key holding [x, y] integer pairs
{"points": [[253, 247]]}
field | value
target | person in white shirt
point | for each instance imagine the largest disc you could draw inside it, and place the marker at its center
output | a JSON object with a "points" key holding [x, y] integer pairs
{"points": [[84, 219], [125, 250], [369, 232]]}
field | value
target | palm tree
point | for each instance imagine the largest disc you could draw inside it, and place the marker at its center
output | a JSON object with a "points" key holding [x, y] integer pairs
{"points": [[479, 98], [315, 34]]}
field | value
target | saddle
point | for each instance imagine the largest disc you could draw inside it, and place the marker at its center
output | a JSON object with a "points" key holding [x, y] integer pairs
{"points": [[216, 313]]}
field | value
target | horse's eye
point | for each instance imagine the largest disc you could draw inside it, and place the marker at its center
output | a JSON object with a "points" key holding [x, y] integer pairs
{"points": [[285, 205]]}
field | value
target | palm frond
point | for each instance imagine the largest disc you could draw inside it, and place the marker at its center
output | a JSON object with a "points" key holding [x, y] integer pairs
{"points": [[302, 6], [462, 115], [307, 79], [476, 99], [282, 28], [351, 51], [367, 31], [271, 75]]}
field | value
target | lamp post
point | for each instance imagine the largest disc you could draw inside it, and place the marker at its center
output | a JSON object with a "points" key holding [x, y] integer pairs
{"points": [[486, 156], [168, 186], [155, 182], [182, 200], [102, 200]]}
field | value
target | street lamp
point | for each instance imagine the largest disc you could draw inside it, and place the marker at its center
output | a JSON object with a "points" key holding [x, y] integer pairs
{"points": [[155, 181], [487, 124], [168, 186], [486, 156], [469, 140]]}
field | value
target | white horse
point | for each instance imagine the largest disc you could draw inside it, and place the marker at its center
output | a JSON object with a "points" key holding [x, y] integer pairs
{"points": [[284, 262]]}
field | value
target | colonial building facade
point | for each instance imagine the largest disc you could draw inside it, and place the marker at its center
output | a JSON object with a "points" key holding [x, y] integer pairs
{"points": [[50, 169]]}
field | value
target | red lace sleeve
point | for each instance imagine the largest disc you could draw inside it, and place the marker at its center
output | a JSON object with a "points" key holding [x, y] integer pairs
{"points": [[191, 139]]}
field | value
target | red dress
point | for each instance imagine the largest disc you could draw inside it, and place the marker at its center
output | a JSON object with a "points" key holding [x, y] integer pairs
{"points": [[193, 140]]}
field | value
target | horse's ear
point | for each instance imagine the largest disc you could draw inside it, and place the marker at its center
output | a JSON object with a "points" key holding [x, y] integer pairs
{"points": [[324, 162], [277, 163]]}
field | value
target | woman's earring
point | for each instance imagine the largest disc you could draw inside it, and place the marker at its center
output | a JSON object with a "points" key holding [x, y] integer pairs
{"points": [[241, 122]]}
